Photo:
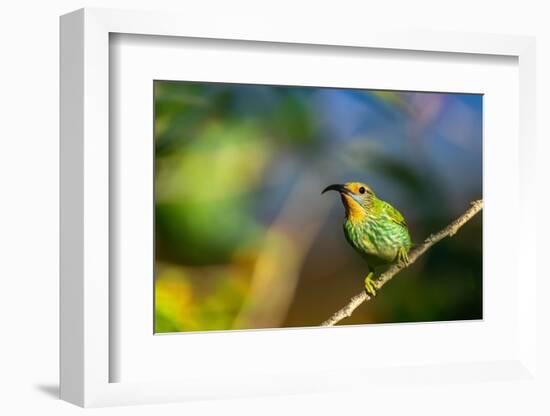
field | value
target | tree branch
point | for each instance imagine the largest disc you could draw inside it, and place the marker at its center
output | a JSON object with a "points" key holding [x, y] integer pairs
{"points": [[414, 254]]}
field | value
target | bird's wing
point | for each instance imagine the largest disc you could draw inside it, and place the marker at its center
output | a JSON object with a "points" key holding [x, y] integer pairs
{"points": [[394, 215]]}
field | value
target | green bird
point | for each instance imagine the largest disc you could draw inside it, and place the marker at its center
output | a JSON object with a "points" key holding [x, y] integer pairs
{"points": [[374, 228]]}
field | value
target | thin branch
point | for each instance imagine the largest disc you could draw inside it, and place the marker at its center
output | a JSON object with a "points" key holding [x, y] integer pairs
{"points": [[414, 254]]}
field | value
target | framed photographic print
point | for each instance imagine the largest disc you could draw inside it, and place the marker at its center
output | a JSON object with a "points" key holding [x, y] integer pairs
{"points": [[243, 239], [243, 213]]}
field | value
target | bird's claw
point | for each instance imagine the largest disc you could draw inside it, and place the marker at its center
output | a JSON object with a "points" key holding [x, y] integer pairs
{"points": [[370, 285], [403, 256]]}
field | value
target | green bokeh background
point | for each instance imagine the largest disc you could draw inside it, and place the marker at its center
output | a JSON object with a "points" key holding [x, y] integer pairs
{"points": [[244, 238]]}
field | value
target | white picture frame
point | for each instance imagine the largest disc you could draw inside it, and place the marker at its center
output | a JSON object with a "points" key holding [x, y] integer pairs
{"points": [[86, 355]]}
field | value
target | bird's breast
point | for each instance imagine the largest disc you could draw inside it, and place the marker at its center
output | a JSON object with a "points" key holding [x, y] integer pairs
{"points": [[378, 239]]}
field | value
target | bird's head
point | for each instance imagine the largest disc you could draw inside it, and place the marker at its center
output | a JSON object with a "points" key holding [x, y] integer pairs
{"points": [[356, 197]]}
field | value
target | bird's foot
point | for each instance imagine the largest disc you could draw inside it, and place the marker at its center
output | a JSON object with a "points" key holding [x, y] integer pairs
{"points": [[403, 256], [370, 285]]}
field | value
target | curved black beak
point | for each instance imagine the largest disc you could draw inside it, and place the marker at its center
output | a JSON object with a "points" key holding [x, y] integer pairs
{"points": [[337, 188]]}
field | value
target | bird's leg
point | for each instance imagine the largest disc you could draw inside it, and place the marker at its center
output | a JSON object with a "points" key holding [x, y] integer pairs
{"points": [[370, 285], [403, 256]]}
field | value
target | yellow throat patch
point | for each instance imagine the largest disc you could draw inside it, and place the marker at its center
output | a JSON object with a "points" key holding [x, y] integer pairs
{"points": [[355, 212]]}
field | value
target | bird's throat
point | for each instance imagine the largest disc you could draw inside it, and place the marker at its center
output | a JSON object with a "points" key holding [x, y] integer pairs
{"points": [[354, 212]]}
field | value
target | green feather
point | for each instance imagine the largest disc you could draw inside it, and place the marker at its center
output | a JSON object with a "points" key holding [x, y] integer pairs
{"points": [[380, 234]]}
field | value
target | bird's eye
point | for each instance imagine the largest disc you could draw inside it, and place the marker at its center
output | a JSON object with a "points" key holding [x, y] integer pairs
{"points": [[362, 190]]}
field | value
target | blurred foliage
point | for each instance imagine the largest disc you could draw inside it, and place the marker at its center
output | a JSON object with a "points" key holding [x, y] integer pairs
{"points": [[244, 238]]}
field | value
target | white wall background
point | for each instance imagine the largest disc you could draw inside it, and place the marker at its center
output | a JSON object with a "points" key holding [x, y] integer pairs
{"points": [[29, 204]]}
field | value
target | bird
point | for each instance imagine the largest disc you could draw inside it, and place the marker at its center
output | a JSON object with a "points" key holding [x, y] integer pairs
{"points": [[374, 228]]}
